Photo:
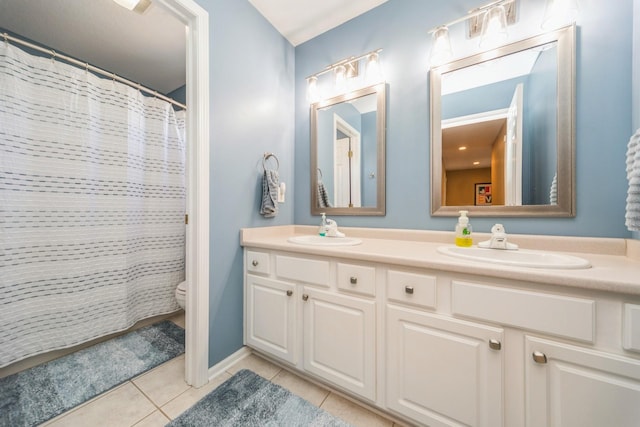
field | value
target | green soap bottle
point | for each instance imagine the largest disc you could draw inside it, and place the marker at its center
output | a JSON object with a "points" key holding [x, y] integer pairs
{"points": [[463, 231]]}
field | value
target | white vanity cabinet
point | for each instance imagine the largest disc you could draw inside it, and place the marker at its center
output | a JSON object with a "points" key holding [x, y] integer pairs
{"points": [[270, 317], [443, 371], [436, 347], [339, 340], [316, 315], [572, 386]]}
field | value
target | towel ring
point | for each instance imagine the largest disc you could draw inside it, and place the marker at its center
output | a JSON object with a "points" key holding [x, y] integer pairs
{"points": [[266, 157]]}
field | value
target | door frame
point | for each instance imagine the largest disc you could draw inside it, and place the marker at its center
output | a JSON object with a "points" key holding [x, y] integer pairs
{"points": [[196, 20]]}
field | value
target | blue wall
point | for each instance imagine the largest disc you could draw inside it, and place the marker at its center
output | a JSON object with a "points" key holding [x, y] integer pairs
{"points": [[399, 27], [252, 72]]}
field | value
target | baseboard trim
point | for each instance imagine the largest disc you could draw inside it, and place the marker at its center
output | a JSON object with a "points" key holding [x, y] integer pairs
{"points": [[226, 363]]}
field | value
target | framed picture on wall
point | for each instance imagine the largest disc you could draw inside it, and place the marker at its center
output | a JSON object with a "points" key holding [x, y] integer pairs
{"points": [[483, 195]]}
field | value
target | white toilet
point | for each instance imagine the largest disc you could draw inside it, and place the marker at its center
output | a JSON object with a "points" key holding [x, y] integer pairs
{"points": [[181, 292]]}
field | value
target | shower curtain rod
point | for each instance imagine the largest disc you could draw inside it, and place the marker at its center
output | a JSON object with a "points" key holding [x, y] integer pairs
{"points": [[93, 68]]}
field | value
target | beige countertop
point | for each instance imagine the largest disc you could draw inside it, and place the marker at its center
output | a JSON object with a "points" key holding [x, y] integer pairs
{"points": [[615, 263]]}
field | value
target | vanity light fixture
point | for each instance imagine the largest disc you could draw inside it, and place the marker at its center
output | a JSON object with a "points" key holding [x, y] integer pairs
{"points": [[346, 75], [136, 5], [558, 13], [441, 51], [373, 72], [494, 28], [489, 22], [313, 93]]}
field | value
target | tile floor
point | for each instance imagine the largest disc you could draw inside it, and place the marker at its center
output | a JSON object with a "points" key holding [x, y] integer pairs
{"points": [[160, 395]]}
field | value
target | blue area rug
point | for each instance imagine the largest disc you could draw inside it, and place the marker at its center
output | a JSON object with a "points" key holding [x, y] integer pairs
{"points": [[31, 397], [248, 400]]}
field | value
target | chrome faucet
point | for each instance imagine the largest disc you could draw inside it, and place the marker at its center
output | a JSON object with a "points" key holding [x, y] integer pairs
{"points": [[498, 239]]}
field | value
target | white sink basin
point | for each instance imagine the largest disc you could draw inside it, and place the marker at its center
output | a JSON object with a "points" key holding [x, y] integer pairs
{"points": [[519, 258], [324, 241]]}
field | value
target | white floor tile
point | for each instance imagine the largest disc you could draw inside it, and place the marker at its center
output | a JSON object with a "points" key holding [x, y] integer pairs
{"points": [[123, 406], [190, 397], [164, 382], [301, 387], [260, 366], [156, 419], [352, 413]]}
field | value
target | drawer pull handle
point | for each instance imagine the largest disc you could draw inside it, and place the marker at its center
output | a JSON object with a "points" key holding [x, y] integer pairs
{"points": [[539, 357], [353, 280], [305, 297], [289, 292], [254, 263], [408, 289], [495, 345]]}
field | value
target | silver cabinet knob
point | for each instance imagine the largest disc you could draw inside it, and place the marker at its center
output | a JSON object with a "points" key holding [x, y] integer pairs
{"points": [[305, 297], [539, 357], [289, 292], [408, 289], [495, 345], [353, 280], [254, 263]]}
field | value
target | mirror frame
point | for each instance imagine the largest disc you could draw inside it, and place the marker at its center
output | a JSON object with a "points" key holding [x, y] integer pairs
{"points": [[565, 132], [380, 208]]}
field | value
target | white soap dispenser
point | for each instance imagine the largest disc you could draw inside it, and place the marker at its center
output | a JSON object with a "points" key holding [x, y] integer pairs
{"points": [[463, 231]]}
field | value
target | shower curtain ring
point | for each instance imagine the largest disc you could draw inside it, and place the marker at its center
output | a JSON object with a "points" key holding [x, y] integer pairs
{"points": [[6, 38]]}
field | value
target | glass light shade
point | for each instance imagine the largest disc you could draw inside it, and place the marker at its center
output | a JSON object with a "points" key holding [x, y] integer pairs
{"points": [[441, 50], [313, 93], [128, 4], [494, 28], [373, 73], [560, 12], [341, 78]]}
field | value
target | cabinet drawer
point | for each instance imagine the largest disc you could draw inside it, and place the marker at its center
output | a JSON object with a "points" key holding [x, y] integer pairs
{"points": [[257, 262], [357, 278], [312, 271], [411, 288], [552, 314], [631, 327]]}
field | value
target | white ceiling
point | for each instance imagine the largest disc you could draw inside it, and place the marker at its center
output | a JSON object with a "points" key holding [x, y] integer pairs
{"points": [[149, 48], [302, 20]]}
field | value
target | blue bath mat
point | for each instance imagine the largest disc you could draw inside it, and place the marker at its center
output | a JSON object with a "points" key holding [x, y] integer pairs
{"points": [[248, 400], [31, 397]]}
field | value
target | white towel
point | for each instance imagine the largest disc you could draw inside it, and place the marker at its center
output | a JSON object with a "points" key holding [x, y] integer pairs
{"points": [[270, 184], [632, 218]]}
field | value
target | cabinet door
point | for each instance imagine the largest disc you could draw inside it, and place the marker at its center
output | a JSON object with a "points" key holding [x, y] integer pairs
{"points": [[270, 317], [339, 340], [572, 386], [443, 371]]}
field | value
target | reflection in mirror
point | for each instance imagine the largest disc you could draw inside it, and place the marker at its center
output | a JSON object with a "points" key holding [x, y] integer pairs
{"points": [[347, 153], [502, 122]]}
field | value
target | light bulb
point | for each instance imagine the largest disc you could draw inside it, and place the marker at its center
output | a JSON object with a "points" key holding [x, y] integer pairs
{"points": [[341, 79], [441, 50], [373, 73], [494, 28], [313, 93]]}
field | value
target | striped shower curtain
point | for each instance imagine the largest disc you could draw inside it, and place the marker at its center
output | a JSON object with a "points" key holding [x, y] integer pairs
{"points": [[92, 203]]}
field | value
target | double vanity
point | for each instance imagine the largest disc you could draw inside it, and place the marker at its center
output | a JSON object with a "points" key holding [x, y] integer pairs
{"points": [[436, 339]]}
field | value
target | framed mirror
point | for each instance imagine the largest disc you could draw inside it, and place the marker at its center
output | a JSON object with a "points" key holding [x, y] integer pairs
{"points": [[348, 153], [502, 130]]}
